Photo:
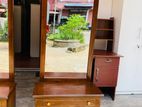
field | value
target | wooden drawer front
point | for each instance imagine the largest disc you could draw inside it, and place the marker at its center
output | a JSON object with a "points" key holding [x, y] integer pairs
{"points": [[106, 71], [112, 62], [67, 103], [3, 103]]}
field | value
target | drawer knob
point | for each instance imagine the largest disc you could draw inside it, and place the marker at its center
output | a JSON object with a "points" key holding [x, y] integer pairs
{"points": [[108, 60], [89, 103], [48, 104]]}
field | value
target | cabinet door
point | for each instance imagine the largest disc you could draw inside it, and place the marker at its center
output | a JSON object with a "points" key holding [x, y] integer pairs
{"points": [[106, 71]]}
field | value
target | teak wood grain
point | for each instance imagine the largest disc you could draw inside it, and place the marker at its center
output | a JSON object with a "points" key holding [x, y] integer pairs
{"points": [[72, 88], [92, 39], [74, 93], [11, 38], [64, 75], [68, 102], [106, 67], [43, 37]]}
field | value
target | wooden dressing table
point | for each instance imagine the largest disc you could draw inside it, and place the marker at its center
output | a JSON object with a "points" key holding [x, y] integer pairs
{"points": [[70, 93], [66, 89], [7, 94]]}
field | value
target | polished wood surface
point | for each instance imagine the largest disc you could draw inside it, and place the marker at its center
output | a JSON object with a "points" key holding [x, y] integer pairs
{"points": [[103, 53], [70, 93], [7, 94], [43, 37], [5, 89], [105, 32], [59, 75], [92, 39], [106, 67], [106, 71], [11, 39], [57, 89], [68, 102]]}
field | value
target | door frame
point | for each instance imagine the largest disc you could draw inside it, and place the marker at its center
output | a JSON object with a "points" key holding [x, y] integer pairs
{"points": [[43, 38]]}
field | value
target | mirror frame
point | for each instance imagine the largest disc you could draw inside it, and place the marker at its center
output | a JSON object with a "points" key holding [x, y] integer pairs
{"points": [[43, 38], [11, 39]]}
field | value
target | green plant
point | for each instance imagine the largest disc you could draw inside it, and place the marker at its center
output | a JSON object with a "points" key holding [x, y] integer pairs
{"points": [[72, 30], [4, 32]]}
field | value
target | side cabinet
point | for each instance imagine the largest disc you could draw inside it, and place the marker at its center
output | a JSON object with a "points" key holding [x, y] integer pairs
{"points": [[105, 72]]}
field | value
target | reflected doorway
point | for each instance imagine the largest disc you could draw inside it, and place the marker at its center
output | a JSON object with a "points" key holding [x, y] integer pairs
{"points": [[27, 35]]}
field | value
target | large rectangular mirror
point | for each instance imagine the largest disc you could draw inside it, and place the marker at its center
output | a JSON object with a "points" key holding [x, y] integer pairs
{"points": [[6, 33], [68, 33]]}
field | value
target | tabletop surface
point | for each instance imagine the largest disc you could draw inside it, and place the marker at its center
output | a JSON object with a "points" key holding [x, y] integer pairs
{"points": [[5, 89], [66, 89]]}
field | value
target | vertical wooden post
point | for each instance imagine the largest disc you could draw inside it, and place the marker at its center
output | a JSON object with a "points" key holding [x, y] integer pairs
{"points": [[11, 39], [43, 37], [92, 39]]}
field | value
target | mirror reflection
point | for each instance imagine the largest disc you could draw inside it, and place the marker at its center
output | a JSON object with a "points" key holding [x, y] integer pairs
{"points": [[4, 50], [68, 35]]}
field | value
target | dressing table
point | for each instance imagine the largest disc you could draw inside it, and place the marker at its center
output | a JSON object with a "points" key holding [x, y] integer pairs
{"points": [[65, 89], [7, 84]]}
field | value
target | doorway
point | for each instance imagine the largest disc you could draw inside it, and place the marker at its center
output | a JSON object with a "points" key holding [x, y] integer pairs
{"points": [[27, 35]]}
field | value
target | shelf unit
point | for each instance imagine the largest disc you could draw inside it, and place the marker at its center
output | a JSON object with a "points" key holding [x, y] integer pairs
{"points": [[105, 31], [105, 62]]}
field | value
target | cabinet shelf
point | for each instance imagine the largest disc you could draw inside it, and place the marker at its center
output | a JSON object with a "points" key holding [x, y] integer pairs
{"points": [[105, 31], [105, 62]]}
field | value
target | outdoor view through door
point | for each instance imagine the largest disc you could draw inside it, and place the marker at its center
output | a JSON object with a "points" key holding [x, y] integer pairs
{"points": [[68, 35], [4, 50]]}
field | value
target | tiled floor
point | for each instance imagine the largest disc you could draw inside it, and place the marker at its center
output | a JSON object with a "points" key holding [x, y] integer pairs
{"points": [[25, 83]]}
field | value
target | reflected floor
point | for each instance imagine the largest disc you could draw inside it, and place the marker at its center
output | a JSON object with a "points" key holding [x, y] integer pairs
{"points": [[60, 60], [4, 57]]}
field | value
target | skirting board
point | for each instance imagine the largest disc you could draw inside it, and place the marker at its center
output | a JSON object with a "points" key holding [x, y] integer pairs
{"points": [[128, 92]]}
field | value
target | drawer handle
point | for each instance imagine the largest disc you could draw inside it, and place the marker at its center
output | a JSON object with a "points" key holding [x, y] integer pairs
{"points": [[97, 74], [108, 60], [48, 104], [88, 103]]}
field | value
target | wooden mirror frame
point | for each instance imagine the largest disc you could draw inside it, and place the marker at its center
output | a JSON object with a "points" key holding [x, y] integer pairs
{"points": [[11, 39], [10, 76], [43, 38]]}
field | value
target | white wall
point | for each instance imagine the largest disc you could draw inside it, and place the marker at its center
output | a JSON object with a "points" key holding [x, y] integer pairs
{"points": [[105, 8], [117, 7], [35, 30], [128, 24]]}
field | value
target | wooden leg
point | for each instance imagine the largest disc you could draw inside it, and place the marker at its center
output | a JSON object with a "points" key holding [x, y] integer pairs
{"points": [[112, 92]]}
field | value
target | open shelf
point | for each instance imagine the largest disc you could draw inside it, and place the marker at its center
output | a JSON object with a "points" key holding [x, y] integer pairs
{"points": [[105, 31]]}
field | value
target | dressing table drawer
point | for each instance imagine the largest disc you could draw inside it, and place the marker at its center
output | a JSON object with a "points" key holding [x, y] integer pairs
{"points": [[112, 62], [68, 102], [3, 103]]}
